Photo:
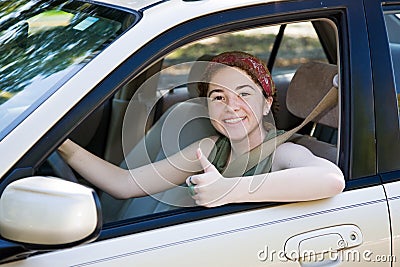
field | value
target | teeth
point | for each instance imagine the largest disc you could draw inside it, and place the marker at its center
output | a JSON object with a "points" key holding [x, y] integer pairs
{"points": [[233, 120]]}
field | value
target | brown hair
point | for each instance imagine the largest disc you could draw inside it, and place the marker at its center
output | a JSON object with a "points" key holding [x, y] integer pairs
{"points": [[253, 66], [257, 71]]}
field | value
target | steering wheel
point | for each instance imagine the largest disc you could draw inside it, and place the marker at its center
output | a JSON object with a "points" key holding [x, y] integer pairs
{"points": [[61, 168]]}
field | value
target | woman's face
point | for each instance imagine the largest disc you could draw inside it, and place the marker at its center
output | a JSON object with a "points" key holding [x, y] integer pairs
{"points": [[237, 105]]}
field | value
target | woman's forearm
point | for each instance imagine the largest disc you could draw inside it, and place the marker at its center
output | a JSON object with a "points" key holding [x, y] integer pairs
{"points": [[298, 184], [104, 175], [141, 181]]}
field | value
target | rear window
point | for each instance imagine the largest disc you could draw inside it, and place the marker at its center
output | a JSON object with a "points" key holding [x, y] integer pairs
{"points": [[392, 20], [43, 44]]}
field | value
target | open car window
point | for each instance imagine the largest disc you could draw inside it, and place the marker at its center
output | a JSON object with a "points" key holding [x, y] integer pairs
{"points": [[156, 94]]}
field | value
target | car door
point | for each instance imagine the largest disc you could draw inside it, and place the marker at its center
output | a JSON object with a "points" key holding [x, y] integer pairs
{"points": [[349, 229], [386, 84]]}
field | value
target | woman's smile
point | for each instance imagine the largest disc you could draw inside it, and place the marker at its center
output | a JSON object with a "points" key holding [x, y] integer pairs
{"points": [[235, 120]]}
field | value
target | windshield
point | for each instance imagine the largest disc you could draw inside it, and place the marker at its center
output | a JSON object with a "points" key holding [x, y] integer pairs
{"points": [[42, 44]]}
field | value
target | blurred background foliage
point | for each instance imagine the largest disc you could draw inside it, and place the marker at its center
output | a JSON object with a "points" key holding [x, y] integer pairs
{"points": [[294, 50]]}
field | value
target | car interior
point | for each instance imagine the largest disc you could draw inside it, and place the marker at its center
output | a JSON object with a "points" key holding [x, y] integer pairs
{"points": [[299, 89]]}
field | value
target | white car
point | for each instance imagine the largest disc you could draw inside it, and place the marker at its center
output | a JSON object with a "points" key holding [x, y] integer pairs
{"points": [[108, 74]]}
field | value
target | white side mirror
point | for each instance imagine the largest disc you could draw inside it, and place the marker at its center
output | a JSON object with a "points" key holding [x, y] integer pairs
{"points": [[47, 211]]}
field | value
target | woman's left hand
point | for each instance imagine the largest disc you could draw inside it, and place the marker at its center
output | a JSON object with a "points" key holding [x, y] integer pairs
{"points": [[210, 189]]}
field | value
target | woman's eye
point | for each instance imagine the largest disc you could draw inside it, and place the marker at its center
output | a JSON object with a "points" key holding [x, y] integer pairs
{"points": [[217, 98], [244, 94]]}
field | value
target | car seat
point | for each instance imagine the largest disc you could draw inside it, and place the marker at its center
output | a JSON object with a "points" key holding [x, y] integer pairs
{"points": [[309, 85]]}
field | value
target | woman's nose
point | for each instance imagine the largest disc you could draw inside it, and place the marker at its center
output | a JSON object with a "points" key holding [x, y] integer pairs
{"points": [[233, 103]]}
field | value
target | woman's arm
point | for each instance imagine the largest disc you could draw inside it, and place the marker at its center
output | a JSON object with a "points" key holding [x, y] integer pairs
{"points": [[297, 175], [141, 181], [102, 174]]}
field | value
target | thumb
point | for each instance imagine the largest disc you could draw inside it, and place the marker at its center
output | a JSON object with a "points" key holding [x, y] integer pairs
{"points": [[205, 163]]}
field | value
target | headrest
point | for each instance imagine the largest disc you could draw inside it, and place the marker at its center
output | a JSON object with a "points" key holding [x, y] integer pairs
{"points": [[196, 74], [308, 86]]}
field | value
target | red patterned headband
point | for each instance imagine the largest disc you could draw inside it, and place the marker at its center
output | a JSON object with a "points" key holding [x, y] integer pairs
{"points": [[251, 65]]}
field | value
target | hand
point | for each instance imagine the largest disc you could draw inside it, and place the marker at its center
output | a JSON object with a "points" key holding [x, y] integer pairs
{"points": [[210, 188], [67, 149]]}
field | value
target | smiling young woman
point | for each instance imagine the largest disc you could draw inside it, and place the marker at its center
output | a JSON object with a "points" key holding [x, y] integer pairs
{"points": [[239, 91], [237, 106]]}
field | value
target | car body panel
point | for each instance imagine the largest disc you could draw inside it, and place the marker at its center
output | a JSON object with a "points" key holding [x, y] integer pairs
{"points": [[392, 191], [246, 234]]}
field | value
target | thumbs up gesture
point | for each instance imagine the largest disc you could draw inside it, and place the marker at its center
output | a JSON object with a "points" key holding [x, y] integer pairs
{"points": [[210, 188]]}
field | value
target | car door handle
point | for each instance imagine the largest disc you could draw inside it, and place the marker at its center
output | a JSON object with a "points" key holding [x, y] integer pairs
{"points": [[316, 243]]}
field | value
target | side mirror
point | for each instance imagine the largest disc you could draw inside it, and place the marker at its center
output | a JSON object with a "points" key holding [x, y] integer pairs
{"points": [[49, 213]]}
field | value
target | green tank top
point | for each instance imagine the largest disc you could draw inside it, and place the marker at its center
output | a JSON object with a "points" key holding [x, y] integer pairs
{"points": [[220, 154]]}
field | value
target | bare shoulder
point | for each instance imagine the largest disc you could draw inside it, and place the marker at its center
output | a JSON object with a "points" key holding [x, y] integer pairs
{"points": [[290, 155], [290, 149], [205, 144], [186, 158]]}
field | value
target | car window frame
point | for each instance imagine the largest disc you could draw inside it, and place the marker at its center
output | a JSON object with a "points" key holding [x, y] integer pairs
{"points": [[385, 99]]}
